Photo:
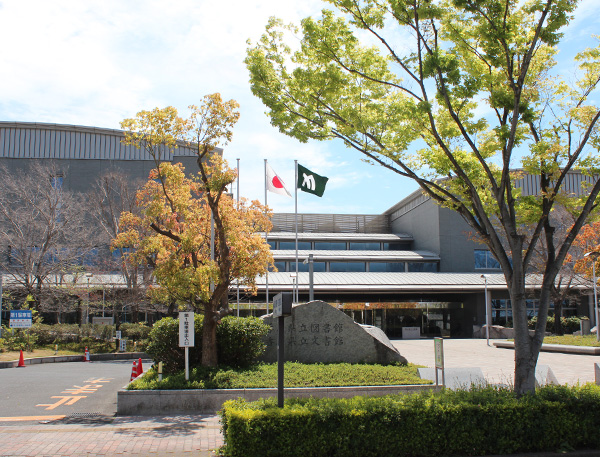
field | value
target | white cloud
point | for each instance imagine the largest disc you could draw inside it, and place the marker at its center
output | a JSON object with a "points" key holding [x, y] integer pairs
{"points": [[96, 62]]}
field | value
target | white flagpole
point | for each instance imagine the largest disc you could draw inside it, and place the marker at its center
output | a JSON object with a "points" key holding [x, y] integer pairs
{"points": [[296, 221], [238, 207], [267, 241]]}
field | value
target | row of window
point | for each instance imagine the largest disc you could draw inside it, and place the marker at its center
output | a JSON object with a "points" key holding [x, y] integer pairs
{"points": [[360, 267], [341, 245], [92, 258], [502, 310]]}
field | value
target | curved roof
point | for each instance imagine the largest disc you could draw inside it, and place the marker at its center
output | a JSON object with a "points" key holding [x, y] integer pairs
{"points": [[32, 140], [350, 256], [343, 236], [397, 282]]}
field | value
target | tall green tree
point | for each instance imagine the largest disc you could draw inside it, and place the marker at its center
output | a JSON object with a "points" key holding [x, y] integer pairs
{"points": [[455, 95]]}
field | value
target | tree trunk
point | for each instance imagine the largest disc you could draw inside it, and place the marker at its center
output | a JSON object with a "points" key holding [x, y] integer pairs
{"points": [[171, 309], [135, 313], [209, 336], [79, 313], [558, 329], [526, 347]]}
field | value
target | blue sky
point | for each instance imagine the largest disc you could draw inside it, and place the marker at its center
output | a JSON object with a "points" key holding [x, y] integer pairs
{"points": [[96, 62]]}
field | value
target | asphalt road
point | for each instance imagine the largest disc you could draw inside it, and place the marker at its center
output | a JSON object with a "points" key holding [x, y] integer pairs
{"points": [[74, 389]]}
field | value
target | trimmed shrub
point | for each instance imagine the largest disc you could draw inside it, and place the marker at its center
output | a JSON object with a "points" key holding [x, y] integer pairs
{"points": [[466, 423], [239, 342], [264, 375], [568, 324], [135, 332], [164, 344], [16, 339]]}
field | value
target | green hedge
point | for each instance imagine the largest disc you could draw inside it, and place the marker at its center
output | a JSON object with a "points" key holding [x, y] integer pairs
{"points": [[135, 331], [480, 422], [568, 324], [239, 342]]}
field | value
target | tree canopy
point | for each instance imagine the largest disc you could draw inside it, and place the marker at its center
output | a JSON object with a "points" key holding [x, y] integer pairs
{"points": [[466, 98], [196, 237]]}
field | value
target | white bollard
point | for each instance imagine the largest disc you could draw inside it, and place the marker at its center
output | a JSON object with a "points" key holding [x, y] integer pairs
{"points": [[597, 373]]}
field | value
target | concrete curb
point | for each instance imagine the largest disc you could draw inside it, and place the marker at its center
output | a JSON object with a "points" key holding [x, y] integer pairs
{"points": [[76, 358], [583, 453], [581, 350], [209, 401]]}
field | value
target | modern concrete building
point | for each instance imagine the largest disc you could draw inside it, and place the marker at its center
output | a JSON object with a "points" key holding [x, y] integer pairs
{"points": [[84, 153], [415, 265]]}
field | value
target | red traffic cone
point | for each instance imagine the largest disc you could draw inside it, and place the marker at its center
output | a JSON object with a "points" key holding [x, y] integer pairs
{"points": [[21, 360], [86, 355], [140, 370], [134, 371]]}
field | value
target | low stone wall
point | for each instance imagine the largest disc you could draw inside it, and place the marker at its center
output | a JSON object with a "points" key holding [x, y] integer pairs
{"points": [[209, 401]]}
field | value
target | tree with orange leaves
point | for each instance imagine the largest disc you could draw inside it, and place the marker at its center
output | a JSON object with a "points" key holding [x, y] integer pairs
{"points": [[588, 240], [180, 213]]}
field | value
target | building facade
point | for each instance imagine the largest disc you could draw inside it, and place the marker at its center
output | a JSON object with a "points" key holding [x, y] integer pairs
{"points": [[415, 265], [84, 153]]}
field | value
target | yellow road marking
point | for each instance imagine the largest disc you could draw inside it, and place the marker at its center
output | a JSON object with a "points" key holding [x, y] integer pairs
{"points": [[69, 400], [30, 418]]}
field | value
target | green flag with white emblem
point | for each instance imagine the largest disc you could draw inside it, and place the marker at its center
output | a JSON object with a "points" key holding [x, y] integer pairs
{"points": [[311, 182]]}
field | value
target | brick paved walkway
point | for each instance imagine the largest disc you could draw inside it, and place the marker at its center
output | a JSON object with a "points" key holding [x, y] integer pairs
{"points": [[136, 436]]}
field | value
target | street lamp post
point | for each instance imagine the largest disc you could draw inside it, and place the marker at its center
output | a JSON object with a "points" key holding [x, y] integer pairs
{"points": [[487, 316], [294, 290], [87, 308], [594, 256]]}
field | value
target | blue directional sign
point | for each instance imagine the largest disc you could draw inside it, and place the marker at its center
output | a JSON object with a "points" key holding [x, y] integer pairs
{"points": [[20, 318]]}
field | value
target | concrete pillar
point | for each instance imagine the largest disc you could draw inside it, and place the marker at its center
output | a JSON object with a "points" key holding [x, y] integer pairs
{"points": [[597, 373]]}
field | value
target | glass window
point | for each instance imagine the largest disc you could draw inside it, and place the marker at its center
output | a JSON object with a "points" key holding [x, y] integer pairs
{"points": [[387, 267], [425, 267], [485, 260], [280, 266], [90, 258], [272, 244], [330, 246], [365, 246], [291, 245], [396, 246], [56, 182], [317, 266], [347, 266], [501, 312]]}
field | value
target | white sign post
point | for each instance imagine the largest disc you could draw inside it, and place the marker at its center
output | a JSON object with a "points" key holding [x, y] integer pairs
{"points": [[438, 344], [186, 337]]}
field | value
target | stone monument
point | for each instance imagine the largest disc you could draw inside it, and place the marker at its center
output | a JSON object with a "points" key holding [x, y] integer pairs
{"points": [[316, 332]]}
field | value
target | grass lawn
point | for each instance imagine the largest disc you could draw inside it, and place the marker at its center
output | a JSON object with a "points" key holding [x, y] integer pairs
{"points": [[572, 340], [296, 375], [41, 352]]}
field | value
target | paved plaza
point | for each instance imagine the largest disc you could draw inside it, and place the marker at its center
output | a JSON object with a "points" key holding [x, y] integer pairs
{"points": [[199, 435], [497, 364]]}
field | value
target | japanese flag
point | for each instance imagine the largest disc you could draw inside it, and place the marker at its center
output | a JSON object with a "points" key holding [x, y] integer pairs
{"points": [[275, 184]]}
